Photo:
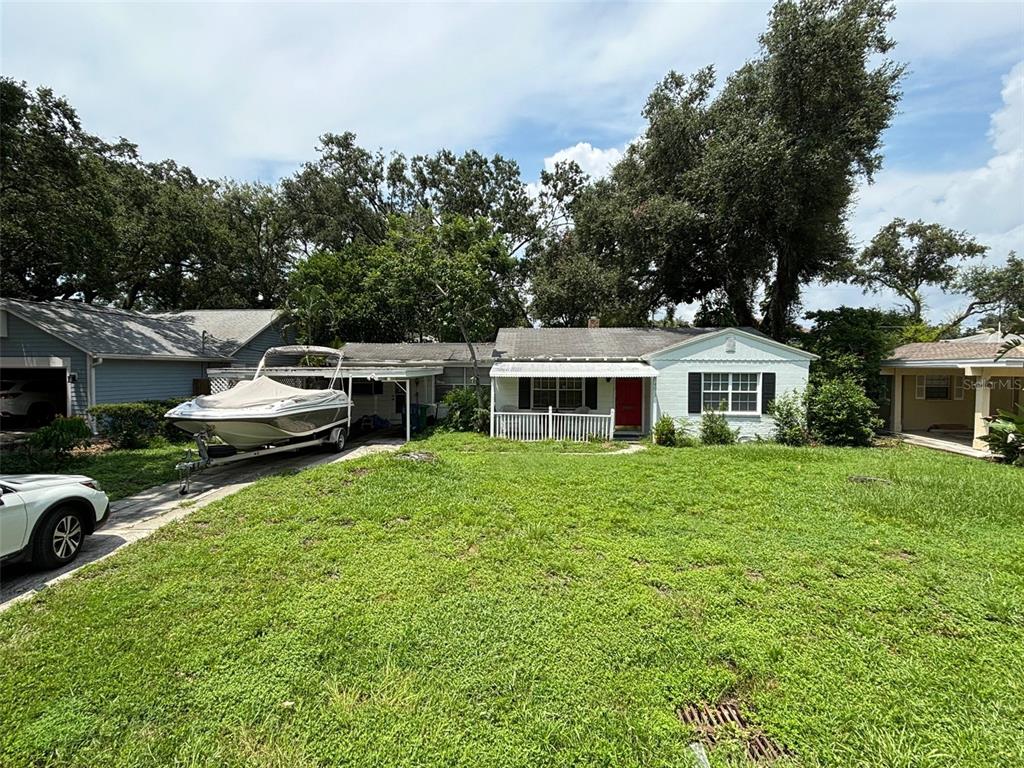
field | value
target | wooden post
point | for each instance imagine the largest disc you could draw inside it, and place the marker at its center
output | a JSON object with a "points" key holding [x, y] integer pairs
{"points": [[551, 419], [492, 407], [611, 424]]}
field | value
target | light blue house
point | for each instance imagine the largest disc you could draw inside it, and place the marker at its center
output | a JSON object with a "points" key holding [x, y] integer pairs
{"points": [[577, 383], [84, 355]]}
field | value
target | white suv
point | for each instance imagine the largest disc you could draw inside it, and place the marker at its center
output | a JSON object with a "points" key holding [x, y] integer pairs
{"points": [[35, 401], [47, 517]]}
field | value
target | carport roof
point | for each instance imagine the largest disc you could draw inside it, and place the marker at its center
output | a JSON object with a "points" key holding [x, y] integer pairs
{"points": [[118, 333], [367, 371], [413, 352]]}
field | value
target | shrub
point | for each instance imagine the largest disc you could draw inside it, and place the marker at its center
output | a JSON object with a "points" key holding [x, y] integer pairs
{"points": [[134, 425], [1006, 435], [790, 415], [665, 431], [464, 414], [839, 413], [61, 436], [715, 429]]}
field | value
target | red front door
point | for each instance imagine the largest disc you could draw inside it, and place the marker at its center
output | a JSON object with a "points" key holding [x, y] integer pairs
{"points": [[629, 403]]}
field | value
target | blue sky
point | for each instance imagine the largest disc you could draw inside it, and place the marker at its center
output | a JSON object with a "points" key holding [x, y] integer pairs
{"points": [[243, 90]]}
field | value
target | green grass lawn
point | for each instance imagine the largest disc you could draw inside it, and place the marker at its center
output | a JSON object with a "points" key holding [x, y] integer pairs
{"points": [[513, 606], [119, 473]]}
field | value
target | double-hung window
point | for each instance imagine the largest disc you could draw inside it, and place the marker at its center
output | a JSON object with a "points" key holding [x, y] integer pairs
{"points": [[545, 392], [939, 387], [731, 392], [560, 394]]}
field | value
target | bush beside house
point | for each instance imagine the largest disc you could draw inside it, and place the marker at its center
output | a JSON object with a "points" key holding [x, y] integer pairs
{"points": [[135, 425]]}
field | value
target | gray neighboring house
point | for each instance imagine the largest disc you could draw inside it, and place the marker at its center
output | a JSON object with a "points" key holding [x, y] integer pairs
{"points": [[86, 355]]}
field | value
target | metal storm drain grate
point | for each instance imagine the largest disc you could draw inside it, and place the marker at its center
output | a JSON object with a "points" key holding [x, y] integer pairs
{"points": [[710, 721]]}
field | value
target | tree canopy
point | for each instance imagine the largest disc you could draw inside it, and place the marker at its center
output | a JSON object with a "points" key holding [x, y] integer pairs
{"points": [[735, 197]]}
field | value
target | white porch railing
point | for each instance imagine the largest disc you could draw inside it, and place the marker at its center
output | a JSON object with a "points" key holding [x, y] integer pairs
{"points": [[533, 425]]}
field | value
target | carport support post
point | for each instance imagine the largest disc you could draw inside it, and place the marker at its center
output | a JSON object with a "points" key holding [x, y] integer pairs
{"points": [[408, 412], [348, 392], [897, 402], [982, 405]]}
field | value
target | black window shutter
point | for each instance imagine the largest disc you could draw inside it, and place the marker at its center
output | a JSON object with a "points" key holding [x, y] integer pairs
{"points": [[590, 399], [694, 400], [767, 391], [524, 394]]}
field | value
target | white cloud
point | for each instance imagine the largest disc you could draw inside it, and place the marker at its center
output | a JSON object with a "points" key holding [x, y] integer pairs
{"points": [[229, 87], [596, 163], [986, 201]]}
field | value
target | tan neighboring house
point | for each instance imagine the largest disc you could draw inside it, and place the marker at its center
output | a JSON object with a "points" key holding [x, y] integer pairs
{"points": [[945, 389]]}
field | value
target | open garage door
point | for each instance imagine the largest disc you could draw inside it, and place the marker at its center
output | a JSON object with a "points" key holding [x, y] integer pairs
{"points": [[33, 396]]}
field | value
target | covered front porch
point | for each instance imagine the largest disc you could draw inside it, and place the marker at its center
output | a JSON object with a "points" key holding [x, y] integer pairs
{"points": [[946, 406], [576, 401]]}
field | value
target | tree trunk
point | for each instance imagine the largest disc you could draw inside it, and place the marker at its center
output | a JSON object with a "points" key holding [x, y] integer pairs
{"points": [[783, 293], [476, 365]]}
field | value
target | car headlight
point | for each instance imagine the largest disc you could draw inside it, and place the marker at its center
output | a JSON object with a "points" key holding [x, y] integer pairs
{"points": [[92, 484]]}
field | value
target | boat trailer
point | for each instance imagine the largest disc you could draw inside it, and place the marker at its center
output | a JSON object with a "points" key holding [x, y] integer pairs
{"points": [[206, 455]]}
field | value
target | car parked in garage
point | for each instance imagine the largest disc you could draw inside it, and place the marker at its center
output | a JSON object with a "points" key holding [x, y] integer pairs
{"points": [[45, 518], [33, 400]]}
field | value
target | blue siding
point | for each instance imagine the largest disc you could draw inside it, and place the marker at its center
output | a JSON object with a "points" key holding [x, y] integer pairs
{"points": [[26, 340], [271, 336], [126, 381]]}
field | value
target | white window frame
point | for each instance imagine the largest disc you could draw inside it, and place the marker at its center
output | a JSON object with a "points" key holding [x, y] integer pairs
{"points": [[558, 389], [954, 387], [731, 389]]}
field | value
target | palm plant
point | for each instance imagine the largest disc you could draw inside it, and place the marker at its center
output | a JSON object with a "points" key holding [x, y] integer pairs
{"points": [[1006, 435]]}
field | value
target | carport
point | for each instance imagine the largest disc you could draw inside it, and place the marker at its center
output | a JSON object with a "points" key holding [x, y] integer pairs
{"points": [[401, 376]]}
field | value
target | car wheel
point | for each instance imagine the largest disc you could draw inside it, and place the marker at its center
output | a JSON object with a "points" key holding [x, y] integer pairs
{"points": [[59, 539]]}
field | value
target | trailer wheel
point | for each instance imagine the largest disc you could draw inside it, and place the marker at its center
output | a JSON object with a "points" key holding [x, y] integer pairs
{"points": [[338, 443]]}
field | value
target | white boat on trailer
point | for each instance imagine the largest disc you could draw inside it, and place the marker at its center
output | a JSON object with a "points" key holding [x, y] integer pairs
{"points": [[263, 416]]}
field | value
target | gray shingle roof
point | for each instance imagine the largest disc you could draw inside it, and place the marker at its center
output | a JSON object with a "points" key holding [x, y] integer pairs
{"points": [[590, 343], [118, 333], [425, 352], [956, 349], [234, 326]]}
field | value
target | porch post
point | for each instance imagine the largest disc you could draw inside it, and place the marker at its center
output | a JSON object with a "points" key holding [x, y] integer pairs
{"points": [[492, 407], [611, 424], [982, 405], [551, 419], [897, 402]]}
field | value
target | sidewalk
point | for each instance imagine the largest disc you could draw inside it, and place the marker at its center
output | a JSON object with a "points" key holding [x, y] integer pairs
{"points": [[138, 516]]}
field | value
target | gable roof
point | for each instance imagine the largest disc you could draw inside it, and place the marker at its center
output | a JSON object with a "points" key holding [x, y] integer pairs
{"points": [[412, 352], [751, 333], [596, 343], [982, 346], [235, 327], [118, 333]]}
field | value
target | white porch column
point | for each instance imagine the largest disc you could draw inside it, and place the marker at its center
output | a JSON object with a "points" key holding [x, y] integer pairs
{"points": [[982, 405], [897, 401], [492, 407]]}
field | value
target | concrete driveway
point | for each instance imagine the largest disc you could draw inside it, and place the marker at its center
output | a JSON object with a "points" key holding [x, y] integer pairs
{"points": [[138, 516]]}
